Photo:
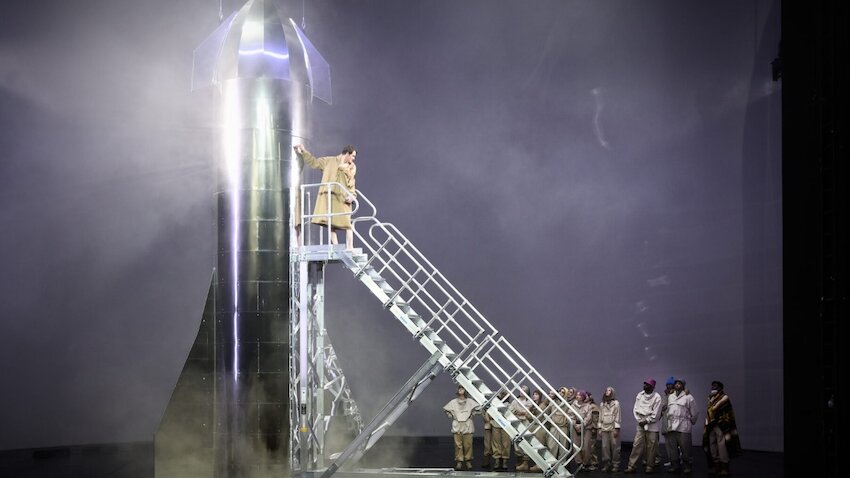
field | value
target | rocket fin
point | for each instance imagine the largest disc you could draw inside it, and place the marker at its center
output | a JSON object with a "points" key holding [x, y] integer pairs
{"points": [[183, 443], [317, 67], [206, 55]]}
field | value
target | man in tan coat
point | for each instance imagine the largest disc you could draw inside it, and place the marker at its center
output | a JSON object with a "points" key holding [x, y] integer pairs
{"points": [[338, 169]]}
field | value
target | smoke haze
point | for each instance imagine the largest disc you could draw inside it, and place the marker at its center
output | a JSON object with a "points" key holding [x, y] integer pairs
{"points": [[600, 179]]}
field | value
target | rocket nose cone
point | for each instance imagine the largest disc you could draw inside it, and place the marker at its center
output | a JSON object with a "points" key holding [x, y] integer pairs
{"points": [[258, 41], [258, 47]]}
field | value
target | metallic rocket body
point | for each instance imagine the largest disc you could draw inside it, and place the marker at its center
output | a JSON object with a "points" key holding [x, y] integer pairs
{"points": [[232, 398]]}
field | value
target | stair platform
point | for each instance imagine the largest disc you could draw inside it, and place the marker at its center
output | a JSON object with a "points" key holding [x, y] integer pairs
{"points": [[323, 253]]}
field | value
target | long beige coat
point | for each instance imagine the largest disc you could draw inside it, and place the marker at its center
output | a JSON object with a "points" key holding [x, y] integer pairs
{"points": [[333, 170]]}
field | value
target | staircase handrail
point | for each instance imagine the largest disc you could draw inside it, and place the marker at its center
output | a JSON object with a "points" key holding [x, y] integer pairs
{"points": [[480, 351]]}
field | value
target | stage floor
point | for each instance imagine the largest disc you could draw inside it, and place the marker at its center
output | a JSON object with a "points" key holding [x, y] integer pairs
{"points": [[395, 456]]}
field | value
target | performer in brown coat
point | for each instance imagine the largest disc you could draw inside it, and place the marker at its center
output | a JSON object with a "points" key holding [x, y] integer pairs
{"points": [[720, 435]]}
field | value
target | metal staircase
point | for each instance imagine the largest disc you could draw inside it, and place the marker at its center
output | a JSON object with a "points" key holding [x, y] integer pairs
{"points": [[458, 337]]}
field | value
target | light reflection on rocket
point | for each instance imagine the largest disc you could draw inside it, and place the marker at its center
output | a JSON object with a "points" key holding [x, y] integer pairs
{"points": [[264, 73]]}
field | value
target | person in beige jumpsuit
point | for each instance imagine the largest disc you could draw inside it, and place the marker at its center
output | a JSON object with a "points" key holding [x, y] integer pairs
{"points": [[488, 440], [501, 440], [540, 421], [460, 410], [609, 428], [581, 433], [561, 424], [592, 429], [521, 406]]}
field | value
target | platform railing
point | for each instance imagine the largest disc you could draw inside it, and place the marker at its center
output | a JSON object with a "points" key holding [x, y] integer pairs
{"points": [[306, 195]]}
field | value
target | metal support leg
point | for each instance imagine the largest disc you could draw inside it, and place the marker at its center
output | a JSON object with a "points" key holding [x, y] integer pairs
{"points": [[318, 349], [389, 414], [304, 363]]}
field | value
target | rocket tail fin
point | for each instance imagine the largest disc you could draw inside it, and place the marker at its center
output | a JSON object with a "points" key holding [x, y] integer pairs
{"points": [[183, 443]]}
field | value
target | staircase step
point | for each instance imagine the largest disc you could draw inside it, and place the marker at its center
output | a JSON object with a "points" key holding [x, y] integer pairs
{"points": [[368, 272]]}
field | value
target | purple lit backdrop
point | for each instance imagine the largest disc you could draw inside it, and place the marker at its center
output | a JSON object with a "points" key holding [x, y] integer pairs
{"points": [[601, 179]]}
